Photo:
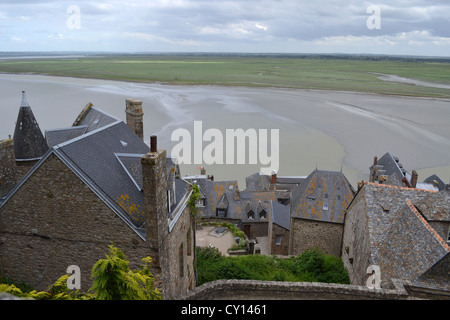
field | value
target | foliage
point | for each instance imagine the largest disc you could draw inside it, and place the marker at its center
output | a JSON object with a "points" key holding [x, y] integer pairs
{"points": [[311, 266], [112, 281], [192, 201]]}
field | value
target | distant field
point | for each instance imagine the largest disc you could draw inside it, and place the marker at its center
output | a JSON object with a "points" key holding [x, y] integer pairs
{"points": [[304, 73]]}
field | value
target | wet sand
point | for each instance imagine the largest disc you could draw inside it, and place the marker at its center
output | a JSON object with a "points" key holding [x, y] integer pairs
{"points": [[329, 130]]}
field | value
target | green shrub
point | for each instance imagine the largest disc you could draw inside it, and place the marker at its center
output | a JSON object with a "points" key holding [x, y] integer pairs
{"points": [[311, 266]]}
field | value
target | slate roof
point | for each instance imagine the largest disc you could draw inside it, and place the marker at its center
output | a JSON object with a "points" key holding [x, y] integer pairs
{"points": [[56, 136], [322, 196], [29, 142], [281, 214], [108, 160], [436, 181], [221, 195], [391, 167], [94, 118], [402, 243]]}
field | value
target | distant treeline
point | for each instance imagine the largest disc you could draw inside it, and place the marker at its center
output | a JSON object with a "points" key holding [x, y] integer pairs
{"points": [[335, 56]]}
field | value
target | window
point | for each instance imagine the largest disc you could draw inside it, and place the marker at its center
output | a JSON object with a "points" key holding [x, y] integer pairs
{"points": [[251, 214], [263, 214], [200, 203], [221, 213], [325, 205], [169, 201], [278, 240], [448, 235]]}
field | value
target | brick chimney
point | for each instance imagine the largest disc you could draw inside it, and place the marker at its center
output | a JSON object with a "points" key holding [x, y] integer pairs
{"points": [[237, 194], [154, 177], [414, 178], [273, 178], [135, 116]]}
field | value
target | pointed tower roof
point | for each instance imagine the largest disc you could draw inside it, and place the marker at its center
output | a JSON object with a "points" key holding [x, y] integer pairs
{"points": [[29, 142]]}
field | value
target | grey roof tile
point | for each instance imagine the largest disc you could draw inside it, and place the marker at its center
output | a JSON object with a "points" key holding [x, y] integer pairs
{"points": [[281, 214], [29, 142], [401, 241], [322, 196], [57, 136]]}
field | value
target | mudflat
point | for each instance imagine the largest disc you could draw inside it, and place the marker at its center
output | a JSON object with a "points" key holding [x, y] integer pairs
{"points": [[329, 130]]}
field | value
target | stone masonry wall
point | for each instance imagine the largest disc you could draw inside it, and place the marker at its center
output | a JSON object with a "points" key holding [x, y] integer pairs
{"points": [[180, 256], [279, 249], [355, 242], [274, 290], [175, 247], [306, 234], [53, 221], [8, 169]]}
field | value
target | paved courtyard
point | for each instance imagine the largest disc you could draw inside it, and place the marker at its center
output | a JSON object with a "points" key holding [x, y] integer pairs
{"points": [[207, 236]]}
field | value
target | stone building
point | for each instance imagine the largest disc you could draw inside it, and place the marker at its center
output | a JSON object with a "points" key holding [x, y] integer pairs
{"points": [[404, 231], [98, 184], [279, 228], [389, 170], [317, 212], [250, 210]]}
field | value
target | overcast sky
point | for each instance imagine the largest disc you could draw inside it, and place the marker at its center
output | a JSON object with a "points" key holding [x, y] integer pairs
{"points": [[415, 27]]}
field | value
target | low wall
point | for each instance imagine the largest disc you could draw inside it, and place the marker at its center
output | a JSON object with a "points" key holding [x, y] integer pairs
{"points": [[277, 290]]}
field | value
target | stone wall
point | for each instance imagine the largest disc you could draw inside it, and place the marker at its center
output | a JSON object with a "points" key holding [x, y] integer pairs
{"points": [[277, 231], [274, 290], [180, 256], [53, 221], [306, 234], [174, 247], [355, 242], [8, 169]]}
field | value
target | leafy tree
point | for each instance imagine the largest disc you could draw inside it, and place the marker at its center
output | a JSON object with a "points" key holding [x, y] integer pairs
{"points": [[113, 280]]}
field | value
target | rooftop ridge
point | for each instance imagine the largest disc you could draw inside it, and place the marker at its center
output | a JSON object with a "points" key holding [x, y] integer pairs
{"points": [[427, 225], [397, 187]]}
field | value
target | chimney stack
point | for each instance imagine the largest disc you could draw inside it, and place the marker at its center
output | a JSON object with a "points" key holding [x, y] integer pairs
{"points": [[414, 178], [237, 194], [135, 116], [375, 160], [273, 178], [153, 144], [154, 177]]}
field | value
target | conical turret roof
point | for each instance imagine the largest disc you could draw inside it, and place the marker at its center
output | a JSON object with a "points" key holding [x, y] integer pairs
{"points": [[29, 142]]}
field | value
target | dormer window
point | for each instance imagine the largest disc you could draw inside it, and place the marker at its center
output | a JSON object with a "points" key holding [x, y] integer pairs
{"points": [[263, 214], [200, 203], [222, 213], [251, 214]]}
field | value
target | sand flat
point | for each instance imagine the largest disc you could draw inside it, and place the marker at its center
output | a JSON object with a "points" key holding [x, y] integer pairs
{"points": [[325, 129]]}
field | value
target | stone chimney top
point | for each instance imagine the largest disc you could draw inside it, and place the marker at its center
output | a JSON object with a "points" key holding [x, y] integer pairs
{"points": [[273, 178], [414, 178], [153, 144]]}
